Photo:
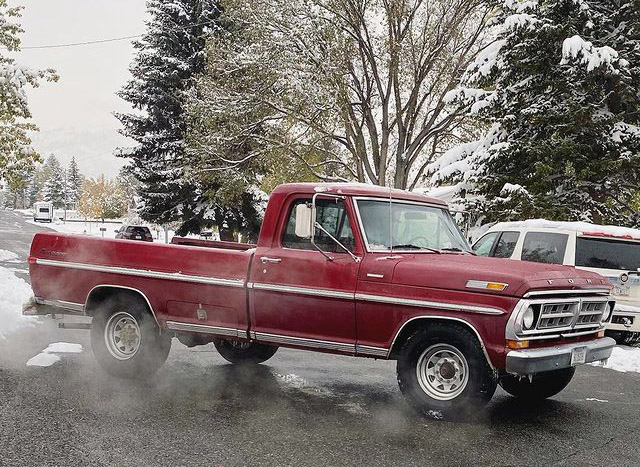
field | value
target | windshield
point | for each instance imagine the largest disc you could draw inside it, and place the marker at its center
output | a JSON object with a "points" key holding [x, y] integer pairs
{"points": [[409, 227], [607, 254]]}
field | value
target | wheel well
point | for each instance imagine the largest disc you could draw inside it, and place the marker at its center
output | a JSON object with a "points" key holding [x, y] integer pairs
{"points": [[417, 323], [99, 295]]}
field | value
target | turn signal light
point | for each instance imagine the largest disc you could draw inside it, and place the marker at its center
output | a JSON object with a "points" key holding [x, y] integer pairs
{"points": [[517, 344], [600, 333], [496, 286]]}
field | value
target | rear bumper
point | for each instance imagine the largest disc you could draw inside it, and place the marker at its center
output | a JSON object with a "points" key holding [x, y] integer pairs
{"points": [[40, 307], [531, 361]]}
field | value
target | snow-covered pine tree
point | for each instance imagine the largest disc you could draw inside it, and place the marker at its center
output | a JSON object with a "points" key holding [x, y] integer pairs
{"points": [[74, 182], [16, 153], [54, 189], [559, 92], [169, 55]]}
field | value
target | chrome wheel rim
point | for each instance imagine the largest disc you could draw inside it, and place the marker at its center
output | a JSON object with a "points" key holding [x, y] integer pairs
{"points": [[443, 372], [240, 345], [122, 335]]}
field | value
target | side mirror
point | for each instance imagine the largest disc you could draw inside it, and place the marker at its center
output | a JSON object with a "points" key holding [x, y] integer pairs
{"points": [[304, 219]]}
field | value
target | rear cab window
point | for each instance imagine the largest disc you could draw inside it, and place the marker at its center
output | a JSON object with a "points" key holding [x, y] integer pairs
{"points": [[544, 247]]}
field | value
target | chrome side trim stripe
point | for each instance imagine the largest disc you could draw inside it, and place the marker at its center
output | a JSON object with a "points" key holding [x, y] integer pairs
{"points": [[303, 342], [76, 307], [374, 351], [222, 331], [143, 273], [429, 304], [302, 290], [536, 293]]}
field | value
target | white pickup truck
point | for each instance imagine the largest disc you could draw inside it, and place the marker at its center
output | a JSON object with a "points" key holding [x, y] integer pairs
{"points": [[613, 252]]}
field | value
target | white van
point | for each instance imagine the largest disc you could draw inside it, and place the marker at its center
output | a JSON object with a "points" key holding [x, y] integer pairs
{"points": [[613, 252], [43, 211]]}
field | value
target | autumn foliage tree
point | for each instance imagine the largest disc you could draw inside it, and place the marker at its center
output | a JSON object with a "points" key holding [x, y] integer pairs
{"points": [[102, 199]]}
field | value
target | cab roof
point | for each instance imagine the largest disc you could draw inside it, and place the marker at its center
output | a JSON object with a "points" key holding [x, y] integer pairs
{"points": [[356, 189]]}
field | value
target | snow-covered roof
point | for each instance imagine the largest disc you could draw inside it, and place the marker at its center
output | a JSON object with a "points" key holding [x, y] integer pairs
{"points": [[583, 228]]}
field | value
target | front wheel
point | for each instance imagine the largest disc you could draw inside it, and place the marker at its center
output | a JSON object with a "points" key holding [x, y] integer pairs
{"points": [[126, 340], [244, 352], [539, 386], [443, 368]]}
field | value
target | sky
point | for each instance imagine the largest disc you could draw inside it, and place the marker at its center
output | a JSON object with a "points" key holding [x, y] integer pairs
{"points": [[75, 115]]}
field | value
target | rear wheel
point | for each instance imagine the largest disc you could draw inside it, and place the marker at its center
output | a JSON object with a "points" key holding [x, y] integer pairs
{"points": [[126, 340], [443, 368], [244, 352], [539, 386]]}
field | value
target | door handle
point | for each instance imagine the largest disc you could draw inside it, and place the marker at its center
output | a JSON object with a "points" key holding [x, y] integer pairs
{"points": [[266, 259]]}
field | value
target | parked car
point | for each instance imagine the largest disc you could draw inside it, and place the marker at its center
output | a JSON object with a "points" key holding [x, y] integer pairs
{"points": [[347, 269], [613, 252], [43, 211], [135, 232]]}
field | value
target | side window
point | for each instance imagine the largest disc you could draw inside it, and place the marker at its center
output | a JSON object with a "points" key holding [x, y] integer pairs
{"points": [[544, 247], [505, 246], [332, 216], [483, 246]]}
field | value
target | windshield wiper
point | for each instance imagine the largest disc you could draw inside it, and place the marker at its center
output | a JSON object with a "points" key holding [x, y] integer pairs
{"points": [[409, 246]]}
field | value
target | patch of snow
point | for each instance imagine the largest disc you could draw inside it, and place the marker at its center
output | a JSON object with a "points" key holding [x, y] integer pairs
{"points": [[354, 408], [593, 399], [624, 359], [15, 292], [43, 360], [520, 20], [6, 255], [580, 227], [594, 57], [296, 382], [513, 188], [63, 347]]}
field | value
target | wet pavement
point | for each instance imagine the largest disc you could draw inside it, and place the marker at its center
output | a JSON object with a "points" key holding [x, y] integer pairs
{"points": [[299, 408]]}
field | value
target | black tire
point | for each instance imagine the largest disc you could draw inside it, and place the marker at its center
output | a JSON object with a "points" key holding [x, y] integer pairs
{"points": [[624, 337], [540, 386], [120, 356], [242, 352], [438, 342]]}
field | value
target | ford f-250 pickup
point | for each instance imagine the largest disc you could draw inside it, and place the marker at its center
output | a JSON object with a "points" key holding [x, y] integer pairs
{"points": [[347, 269]]}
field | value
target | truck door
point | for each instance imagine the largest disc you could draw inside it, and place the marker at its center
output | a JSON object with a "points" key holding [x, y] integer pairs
{"points": [[298, 295]]}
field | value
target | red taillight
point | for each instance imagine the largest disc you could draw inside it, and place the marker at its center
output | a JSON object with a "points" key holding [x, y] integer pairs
{"points": [[31, 260]]}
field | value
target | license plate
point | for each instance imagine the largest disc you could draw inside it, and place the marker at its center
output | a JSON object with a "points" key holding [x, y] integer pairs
{"points": [[137, 237], [578, 356], [622, 290]]}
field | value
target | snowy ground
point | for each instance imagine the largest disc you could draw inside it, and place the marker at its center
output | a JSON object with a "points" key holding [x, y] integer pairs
{"points": [[15, 292]]}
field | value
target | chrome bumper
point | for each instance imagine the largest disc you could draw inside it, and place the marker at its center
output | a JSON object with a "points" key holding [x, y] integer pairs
{"points": [[624, 320], [531, 361]]}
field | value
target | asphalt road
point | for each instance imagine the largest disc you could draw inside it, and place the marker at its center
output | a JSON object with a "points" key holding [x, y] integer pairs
{"points": [[299, 408]]}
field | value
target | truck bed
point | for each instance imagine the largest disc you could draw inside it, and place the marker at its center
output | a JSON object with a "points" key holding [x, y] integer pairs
{"points": [[175, 279]]}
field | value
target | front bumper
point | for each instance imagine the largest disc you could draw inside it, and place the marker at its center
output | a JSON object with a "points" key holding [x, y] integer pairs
{"points": [[531, 361], [625, 318]]}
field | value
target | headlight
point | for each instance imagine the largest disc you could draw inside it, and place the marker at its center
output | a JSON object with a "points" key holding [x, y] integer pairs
{"points": [[606, 314], [528, 318]]}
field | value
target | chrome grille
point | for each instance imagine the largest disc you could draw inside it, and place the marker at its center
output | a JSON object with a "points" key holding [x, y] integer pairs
{"points": [[556, 315], [590, 313]]}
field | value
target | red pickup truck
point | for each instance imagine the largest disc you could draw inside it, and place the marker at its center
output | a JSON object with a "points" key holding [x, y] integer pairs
{"points": [[340, 268]]}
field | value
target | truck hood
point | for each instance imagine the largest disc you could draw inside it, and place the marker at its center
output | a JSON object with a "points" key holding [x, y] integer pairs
{"points": [[453, 271]]}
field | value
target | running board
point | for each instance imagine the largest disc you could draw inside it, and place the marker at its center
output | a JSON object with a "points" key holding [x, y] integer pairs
{"points": [[74, 325]]}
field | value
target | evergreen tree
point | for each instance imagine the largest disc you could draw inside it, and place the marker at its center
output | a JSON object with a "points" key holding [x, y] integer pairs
{"points": [[16, 154], [54, 189], [559, 91], [169, 55], [74, 182]]}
